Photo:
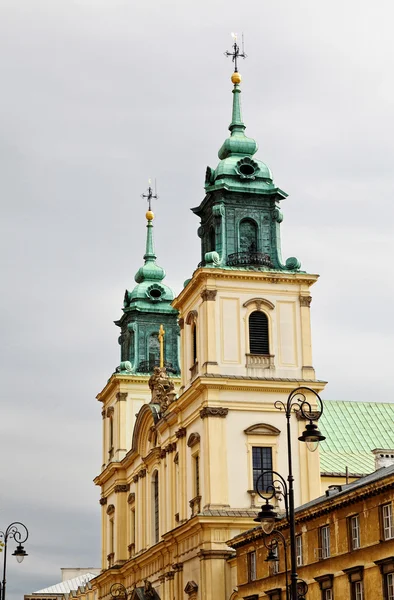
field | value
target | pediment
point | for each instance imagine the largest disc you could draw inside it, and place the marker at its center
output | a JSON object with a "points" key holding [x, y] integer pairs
{"points": [[258, 303], [147, 418], [262, 429]]}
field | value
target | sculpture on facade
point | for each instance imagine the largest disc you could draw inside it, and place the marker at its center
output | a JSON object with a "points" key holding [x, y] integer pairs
{"points": [[162, 388]]}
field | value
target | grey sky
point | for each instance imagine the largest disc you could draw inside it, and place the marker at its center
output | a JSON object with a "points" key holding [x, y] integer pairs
{"points": [[98, 96]]}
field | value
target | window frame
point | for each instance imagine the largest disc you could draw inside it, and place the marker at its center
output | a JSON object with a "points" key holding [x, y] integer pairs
{"points": [[268, 332], [252, 566], [389, 517], [155, 507], [354, 540], [325, 541], [299, 550], [269, 479]]}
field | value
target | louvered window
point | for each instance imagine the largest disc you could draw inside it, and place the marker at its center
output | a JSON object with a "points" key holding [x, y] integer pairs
{"points": [[258, 333], [194, 344]]}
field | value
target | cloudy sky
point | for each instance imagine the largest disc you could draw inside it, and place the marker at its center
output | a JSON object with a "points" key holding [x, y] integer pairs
{"points": [[98, 96]]}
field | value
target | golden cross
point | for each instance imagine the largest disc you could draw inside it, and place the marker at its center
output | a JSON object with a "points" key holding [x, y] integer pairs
{"points": [[161, 340]]}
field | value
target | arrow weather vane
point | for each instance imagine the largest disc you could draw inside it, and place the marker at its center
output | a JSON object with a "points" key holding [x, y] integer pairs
{"points": [[236, 53], [149, 195]]}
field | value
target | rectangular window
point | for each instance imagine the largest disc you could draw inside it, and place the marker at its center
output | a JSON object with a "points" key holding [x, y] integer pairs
{"points": [[325, 541], [327, 594], [252, 566], [358, 590], [299, 553], [197, 475], [390, 586], [354, 527], [387, 517], [262, 460], [275, 564]]}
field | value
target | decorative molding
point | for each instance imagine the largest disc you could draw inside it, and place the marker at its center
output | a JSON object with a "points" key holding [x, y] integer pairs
{"points": [[171, 447], [103, 413], [194, 438], [142, 473], [131, 498], [314, 415], [163, 453], [262, 429], [170, 574], [208, 295], [213, 411], [176, 458], [208, 554], [103, 501], [135, 478], [181, 323], [260, 361], [191, 589], [110, 411], [162, 578], [195, 505], [121, 487], [259, 302], [121, 396], [180, 433], [305, 301], [191, 317], [177, 567], [110, 509]]}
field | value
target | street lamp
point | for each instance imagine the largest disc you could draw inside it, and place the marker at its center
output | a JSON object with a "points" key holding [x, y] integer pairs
{"points": [[118, 590], [20, 537], [296, 402]]}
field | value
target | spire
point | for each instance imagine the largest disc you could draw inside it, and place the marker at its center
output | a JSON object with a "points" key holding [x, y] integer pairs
{"points": [[237, 143], [150, 271]]}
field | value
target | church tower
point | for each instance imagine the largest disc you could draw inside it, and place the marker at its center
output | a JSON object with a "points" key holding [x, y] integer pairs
{"points": [[178, 479]]}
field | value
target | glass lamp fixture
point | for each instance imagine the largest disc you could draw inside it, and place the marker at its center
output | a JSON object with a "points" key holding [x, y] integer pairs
{"points": [[312, 436], [267, 518], [20, 553]]}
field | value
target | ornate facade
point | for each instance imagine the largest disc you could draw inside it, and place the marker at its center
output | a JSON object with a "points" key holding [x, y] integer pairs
{"points": [[177, 481]]}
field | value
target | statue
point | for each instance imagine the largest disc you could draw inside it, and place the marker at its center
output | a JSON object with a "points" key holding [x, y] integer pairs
{"points": [[162, 388]]}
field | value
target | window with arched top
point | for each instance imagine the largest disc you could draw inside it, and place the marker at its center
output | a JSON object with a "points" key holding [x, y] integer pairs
{"points": [[248, 236], [194, 344], [258, 333], [155, 506]]}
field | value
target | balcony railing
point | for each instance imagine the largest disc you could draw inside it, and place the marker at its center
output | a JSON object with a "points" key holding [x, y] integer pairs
{"points": [[147, 366], [259, 259], [260, 361]]}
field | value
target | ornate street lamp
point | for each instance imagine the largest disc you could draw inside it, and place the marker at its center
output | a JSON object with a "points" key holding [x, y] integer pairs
{"points": [[296, 402], [20, 536]]}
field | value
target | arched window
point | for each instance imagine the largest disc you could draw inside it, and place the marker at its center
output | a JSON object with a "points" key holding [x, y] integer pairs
{"points": [[248, 236], [155, 505], [153, 350], [258, 333], [212, 239]]}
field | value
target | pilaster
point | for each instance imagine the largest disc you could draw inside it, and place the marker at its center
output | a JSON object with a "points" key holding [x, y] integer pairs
{"points": [[215, 444]]}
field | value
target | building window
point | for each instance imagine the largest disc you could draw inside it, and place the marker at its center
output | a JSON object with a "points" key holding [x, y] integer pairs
{"points": [[262, 461], [194, 344], [153, 350], [327, 594], [258, 333], [299, 553], [196, 459], [155, 486], [387, 521], [354, 530], [252, 575], [275, 564], [212, 239], [357, 590], [247, 236], [326, 582], [390, 586], [325, 541]]}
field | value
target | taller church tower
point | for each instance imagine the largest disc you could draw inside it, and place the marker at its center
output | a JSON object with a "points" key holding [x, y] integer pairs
{"points": [[178, 482]]}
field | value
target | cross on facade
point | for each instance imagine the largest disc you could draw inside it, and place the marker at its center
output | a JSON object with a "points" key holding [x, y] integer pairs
{"points": [[236, 52]]}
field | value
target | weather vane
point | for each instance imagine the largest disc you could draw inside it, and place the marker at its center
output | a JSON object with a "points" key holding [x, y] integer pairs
{"points": [[236, 52], [150, 194]]}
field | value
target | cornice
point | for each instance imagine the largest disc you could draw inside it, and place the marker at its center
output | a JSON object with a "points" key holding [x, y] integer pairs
{"points": [[200, 277], [116, 380]]}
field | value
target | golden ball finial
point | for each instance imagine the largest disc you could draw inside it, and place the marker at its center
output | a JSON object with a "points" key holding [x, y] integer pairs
{"points": [[236, 78], [150, 215]]}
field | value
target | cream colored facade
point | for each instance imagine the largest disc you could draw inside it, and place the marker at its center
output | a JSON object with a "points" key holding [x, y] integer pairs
{"points": [[193, 461]]}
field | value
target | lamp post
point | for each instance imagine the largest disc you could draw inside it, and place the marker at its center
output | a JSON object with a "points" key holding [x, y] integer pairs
{"points": [[20, 536], [118, 590], [296, 402]]}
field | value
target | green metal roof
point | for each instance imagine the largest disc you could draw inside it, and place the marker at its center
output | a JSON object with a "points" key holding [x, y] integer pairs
{"points": [[353, 430]]}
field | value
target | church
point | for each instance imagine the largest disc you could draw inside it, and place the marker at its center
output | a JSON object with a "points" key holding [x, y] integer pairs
{"points": [[189, 417]]}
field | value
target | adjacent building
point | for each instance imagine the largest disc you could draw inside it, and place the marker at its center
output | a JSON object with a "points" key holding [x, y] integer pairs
{"points": [[345, 546]]}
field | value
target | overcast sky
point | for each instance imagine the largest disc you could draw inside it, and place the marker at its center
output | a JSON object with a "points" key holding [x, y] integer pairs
{"points": [[98, 96]]}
